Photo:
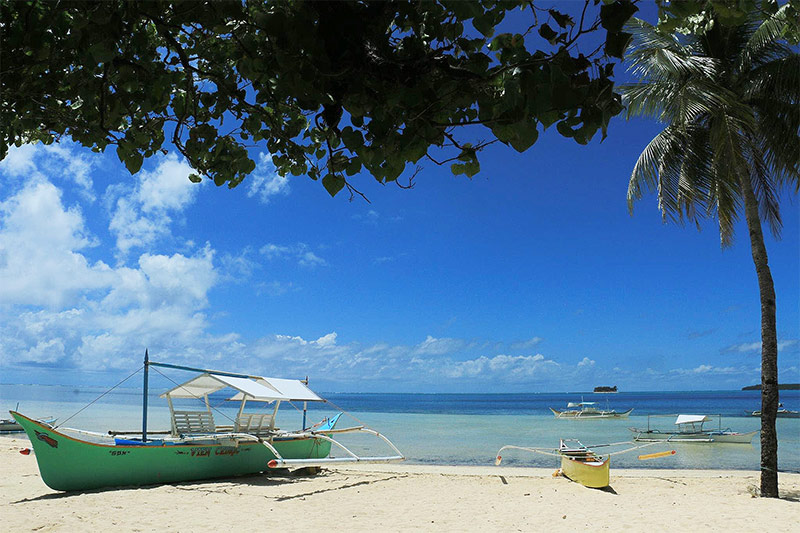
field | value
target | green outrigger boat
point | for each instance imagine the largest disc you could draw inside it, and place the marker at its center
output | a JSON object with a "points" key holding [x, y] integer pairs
{"points": [[195, 448]]}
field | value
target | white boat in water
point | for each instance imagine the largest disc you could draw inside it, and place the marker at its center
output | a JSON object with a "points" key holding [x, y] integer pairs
{"points": [[588, 410], [690, 428], [782, 413], [9, 425]]}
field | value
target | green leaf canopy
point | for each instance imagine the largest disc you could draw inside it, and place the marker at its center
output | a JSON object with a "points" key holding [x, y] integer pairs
{"points": [[328, 88]]}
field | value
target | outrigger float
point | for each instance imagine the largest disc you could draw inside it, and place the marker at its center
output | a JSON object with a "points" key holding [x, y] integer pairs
{"points": [[582, 464], [195, 448]]}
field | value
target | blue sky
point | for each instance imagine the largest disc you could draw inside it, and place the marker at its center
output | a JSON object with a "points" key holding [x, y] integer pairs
{"points": [[530, 277]]}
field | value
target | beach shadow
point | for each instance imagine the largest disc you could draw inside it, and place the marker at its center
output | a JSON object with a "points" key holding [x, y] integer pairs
{"points": [[279, 477], [608, 489], [348, 486]]}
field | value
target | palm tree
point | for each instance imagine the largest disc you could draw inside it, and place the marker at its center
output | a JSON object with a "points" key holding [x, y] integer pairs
{"points": [[730, 99]]}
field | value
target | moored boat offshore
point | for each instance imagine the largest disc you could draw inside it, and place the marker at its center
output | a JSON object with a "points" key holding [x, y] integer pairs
{"points": [[588, 410], [689, 428]]}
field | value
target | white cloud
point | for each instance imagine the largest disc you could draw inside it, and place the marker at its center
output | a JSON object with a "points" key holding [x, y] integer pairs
{"points": [[265, 181], [167, 187], [502, 367], [713, 370], [59, 307], [586, 362], [31, 162], [45, 351], [433, 346], [526, 345], [143, 213], [743, 348], [755, 347], [299, 252], [787, 344], [40, 245], [373, 217]]}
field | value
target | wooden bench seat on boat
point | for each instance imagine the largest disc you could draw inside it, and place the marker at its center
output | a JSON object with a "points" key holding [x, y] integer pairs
{"points": [[192, 422], [255, 423]]}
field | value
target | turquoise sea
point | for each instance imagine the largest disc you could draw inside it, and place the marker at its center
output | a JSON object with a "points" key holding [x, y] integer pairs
{"points": [[458, 429]]}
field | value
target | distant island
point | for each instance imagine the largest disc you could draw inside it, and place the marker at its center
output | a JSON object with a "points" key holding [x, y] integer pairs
{"points": [[605, 389], [781, 386]]}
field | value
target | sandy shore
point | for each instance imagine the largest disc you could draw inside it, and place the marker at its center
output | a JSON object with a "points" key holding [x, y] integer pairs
{"points": [[403, 498]]}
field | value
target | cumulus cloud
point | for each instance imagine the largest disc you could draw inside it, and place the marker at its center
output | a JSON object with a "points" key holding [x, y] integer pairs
{"points": [[143, 213], [505, 367], [58, 307], [34, 162], [265, 182], [41, 242]]}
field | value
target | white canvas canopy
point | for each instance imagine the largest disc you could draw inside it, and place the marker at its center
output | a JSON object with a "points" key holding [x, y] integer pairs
{"points": [[692, 419], [258, 389], [205, 384], [291, 389]]}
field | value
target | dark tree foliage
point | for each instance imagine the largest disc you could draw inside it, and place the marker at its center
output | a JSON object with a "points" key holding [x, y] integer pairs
{"points": [[328, 88]]}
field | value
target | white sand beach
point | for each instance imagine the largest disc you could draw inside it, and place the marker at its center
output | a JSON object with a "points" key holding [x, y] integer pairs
{"points": [[404, 497]]}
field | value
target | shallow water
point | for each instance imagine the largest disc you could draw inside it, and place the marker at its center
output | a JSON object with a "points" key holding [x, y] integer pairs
{"points": [[464, 429]]}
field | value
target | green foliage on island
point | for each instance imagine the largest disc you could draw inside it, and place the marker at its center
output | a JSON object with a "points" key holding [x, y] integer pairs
{"points": [[605, 388], [783, 386]]}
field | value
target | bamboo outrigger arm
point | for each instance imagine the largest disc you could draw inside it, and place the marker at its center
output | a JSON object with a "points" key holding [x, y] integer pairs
{"points": [[353, 458]]}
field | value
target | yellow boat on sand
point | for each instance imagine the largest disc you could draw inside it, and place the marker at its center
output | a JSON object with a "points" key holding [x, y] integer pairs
{"points": [[582, 465]]}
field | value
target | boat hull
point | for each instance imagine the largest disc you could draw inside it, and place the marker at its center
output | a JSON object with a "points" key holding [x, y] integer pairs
{"points": [[779, 414], [70, 464], [593, 473], [578, 414], [707, 437]]}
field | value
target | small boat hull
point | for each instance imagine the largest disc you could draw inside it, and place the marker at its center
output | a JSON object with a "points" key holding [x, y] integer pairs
{"points": [[9, 425], [782, 413], [590, 414], [590, 472], [70, 464], [640, 435]]}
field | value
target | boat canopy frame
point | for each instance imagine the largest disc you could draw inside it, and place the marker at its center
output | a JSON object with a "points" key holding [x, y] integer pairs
{"points": [[263, 389]]}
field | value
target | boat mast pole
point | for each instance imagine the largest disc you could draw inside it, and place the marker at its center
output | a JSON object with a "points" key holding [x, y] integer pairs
{"points": [[144, 396], [305, 404]]}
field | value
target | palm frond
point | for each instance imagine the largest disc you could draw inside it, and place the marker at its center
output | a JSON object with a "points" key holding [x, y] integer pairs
{"points": [[763, 37], [778, 79], [673, 166], [763, 185], [731, 104]]}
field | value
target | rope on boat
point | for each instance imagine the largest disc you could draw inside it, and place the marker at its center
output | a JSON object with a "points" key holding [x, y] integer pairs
{"points": [[96, 399], [354, 417]]}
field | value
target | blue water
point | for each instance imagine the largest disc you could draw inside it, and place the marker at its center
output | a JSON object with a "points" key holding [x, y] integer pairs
{"points": [[465, 429]]}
